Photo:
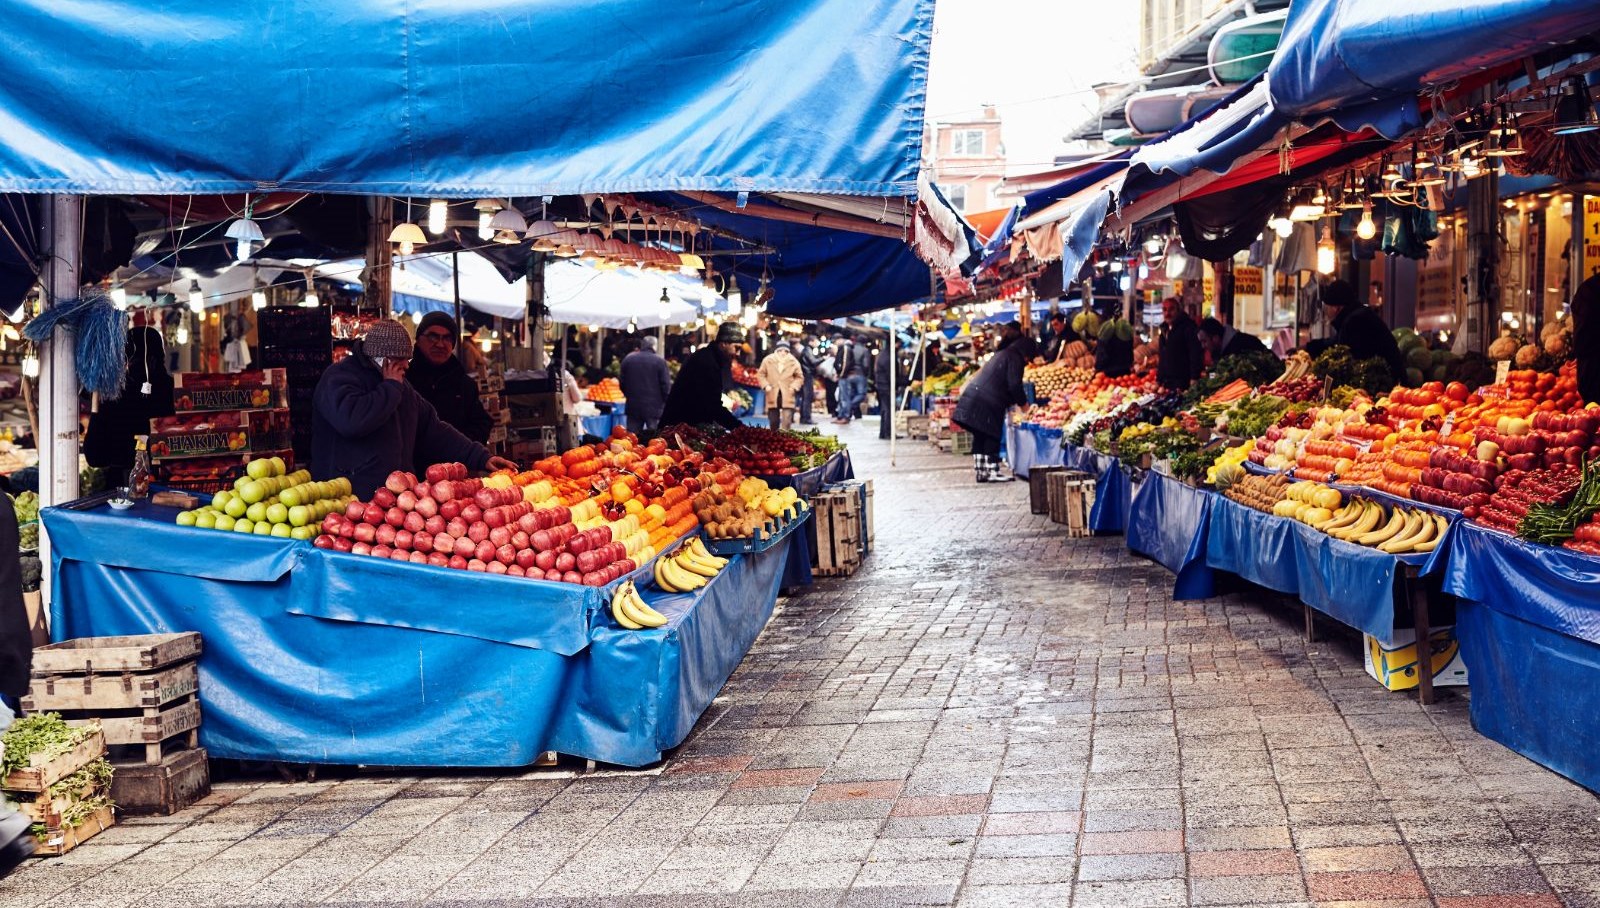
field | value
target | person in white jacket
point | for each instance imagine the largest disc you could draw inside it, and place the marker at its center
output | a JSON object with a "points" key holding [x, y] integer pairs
{"points": [[781, 377]]}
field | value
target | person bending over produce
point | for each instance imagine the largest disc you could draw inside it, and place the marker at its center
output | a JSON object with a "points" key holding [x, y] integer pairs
{"points": [[367, 422], [696, 396], [996, 388], [1221, 340], [1358, 327]]}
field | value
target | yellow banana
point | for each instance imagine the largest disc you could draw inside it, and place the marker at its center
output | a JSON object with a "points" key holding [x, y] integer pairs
{"points": [[662, 580], [1397, 522], [1343, 517], [698, 546], [636, 610], [1417, 522], [1440, 525], [1370, 515], [685, 559], [682, 581], [619, 609]]}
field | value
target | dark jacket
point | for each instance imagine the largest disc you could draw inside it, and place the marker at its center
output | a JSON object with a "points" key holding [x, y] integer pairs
{"points": [[856, 359], [1181, 356], [1586, 338], [109, 441], [996, 388], [646, 382], [1241, 344], [16, 639], [365, 427], [1052, 350], [453, 393], [1361, 329], [696, 396], [1113, 356]]}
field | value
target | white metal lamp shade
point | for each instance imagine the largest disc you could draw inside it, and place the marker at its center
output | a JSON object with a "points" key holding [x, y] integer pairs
{"points": [[407, 237], [543, 235], [247, 233], [509, 219]]}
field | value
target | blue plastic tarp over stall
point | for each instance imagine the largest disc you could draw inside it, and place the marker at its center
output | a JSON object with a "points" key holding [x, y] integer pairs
{"points": [[463, 99], [314, 656], [1168, 522]]}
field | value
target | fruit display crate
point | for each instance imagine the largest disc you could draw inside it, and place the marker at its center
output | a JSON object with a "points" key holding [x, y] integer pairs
{"points": [[838, 522], [1071, 497], [56, 842], [770, 535]]}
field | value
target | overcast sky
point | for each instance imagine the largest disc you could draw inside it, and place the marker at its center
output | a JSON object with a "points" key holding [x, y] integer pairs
{"points": [[1035, 60]]}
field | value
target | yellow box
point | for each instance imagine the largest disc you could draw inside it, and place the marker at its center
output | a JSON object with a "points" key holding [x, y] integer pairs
{"points": [[1395, 667]]}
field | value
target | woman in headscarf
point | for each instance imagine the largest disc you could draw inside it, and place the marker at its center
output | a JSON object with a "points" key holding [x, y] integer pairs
{"points": [[146, 394]]}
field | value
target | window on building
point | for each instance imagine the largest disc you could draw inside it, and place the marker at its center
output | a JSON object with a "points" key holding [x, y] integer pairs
{"points": [[967, 143], [957, 196]]}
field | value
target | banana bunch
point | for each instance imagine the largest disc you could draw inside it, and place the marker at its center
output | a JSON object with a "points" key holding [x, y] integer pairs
{"points": [[1406, 532], [631, 612], [689, 568]]}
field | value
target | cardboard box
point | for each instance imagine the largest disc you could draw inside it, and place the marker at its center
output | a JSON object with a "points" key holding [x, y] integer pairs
{"points": [[534, 409], [254, 389], [222, 432], [1395, 667]]}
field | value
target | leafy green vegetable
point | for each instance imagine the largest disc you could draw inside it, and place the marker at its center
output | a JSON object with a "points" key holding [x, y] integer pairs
{"points": [[44, 736]]}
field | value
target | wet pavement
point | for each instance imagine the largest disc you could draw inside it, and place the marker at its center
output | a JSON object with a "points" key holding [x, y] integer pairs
{"points": [[988, 714]]}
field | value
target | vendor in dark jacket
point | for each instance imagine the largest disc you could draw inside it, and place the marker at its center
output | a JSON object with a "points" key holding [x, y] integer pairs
{"points": [[437, 374], [988, 395], [1181, 358], [1221, 340], [368, 422], [1586, 338], [146, 395], [696, 396], [1360, 328]]}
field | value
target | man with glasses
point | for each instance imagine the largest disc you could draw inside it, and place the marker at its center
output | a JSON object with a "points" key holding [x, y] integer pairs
{"points": [[438, 375]]}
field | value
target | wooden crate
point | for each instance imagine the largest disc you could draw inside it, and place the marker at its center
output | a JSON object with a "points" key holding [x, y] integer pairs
{"points": [[1039, 489], [837, 516], [60, 841], [917, 427], [1071, 496], [46, 809], [180, 779], [41, 774], [862, 488], [148, 728], [141, 653], [127, 690]]}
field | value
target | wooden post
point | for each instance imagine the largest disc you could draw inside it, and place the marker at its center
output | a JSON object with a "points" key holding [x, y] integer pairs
{"points": [[538, 316], [62, 245], [378, 279]]}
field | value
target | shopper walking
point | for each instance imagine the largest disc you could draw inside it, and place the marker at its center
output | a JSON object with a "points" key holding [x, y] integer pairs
{"points": [[828, 371], [988, 395], [807, 356], [1181, 357], [646, 381], [438, 375], [853, 380], [782, 378]]}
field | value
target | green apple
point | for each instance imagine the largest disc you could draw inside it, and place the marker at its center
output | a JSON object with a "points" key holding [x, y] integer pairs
{"points": [[253, 491], [236, 508], [257, 512], [239, 483], [225, 522], [185, 518], [264, 528], [299, 515], [220, 500], [281, 530], [277, 513], [207, 520], [258, 469], [278, 466], [292, 496], [244, 525], [303, 533]]}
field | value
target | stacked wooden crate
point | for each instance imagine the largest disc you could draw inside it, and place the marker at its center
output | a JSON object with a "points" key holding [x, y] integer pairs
{"points": [[1070, 497], [144, 691], [836, 514], [64, 794]]}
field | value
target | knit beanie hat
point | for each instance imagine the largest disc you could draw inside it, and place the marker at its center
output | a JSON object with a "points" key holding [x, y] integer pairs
{"points": [[387, 339], [436, 319]]}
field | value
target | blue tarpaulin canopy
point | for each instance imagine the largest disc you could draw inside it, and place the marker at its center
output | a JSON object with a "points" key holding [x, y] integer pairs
{"points": [[464, 98]]}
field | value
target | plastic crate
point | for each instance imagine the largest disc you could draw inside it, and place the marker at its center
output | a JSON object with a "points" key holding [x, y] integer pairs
{"points": [[961, 443]]}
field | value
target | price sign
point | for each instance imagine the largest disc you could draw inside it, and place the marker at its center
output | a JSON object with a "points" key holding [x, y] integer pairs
{"points": [[1502, 372], [1591, 235]]}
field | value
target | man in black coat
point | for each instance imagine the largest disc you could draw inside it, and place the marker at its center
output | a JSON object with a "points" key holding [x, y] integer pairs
{"points": [[988, 395], [696, 396], [1360, 328], [438, 375], [16, 660], [367, 422], [808, 379], [1221, 340], [1586, 337], [1181, 357]]}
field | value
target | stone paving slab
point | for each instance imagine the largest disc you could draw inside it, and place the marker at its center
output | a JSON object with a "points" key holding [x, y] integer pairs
{"points": [[988, 715]]}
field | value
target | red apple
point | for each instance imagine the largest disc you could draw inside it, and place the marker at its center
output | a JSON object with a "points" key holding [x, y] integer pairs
{"points": [[527, 558], [500, 536], [372, 514], [464, 547], [400, 555], [360, 548], [385, 534], [397, 483], [343, 544], [515, 570], [355, 510], [529, 523], [419, 558], [578, 544], [395, 517], [458, 471], [486, 498], [380, 551], [566, 561], [628, 565], [456, 528], [553, 575], [484, 551], [438, 559], [457, 562], [365, 532], [495, 567], [406, 501], [434, 525], [444, 492], [422, 542], [330, 524], [505, 554], [543, 540], [449, 510], [571, 577], [478, 532], [477, 565], [546, 560], [383, 498], [437, 472], [471, 512], [520, 540], [426, 506], [414, 522], [324, 541], [494, 517], [403, 539]]}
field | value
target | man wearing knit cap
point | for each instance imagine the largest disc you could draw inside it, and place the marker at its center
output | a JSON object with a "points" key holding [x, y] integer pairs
{"points": [[696, 396], [368, 422], [438, 375]]}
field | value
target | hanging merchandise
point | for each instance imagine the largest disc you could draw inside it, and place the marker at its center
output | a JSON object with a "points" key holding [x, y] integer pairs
{"points": [[1408, 232], [1298, 251], [1181, 266], [100, 333]]}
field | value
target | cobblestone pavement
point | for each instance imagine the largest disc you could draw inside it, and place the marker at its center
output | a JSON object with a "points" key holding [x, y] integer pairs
{"points": [[989, 714]]}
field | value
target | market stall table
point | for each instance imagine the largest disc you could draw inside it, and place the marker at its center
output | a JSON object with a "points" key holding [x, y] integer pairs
{"points": [[314, 656], [1029, 445], [1168, 522], [1528, 619], [1113, 490]]}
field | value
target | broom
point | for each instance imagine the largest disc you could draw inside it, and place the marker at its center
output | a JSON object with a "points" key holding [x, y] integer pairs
{"points": [[100, 340]]}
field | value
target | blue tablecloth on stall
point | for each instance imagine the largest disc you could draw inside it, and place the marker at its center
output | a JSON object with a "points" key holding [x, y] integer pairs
{"points": [[316, 656], [1077, 457], [1168, 521], [1030, 445], [1113, 496], [1528, 620], [1353, 584]]}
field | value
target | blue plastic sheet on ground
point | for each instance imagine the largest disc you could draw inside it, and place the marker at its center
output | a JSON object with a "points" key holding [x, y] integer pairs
{"points": [[1551, 587], [1533, 689], [1168, 522], [333, 662], [1030, 446]]}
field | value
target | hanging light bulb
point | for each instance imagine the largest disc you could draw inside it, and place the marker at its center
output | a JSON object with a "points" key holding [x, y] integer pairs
{"points": [[197, 299], [248, 236], [1282, 226], [1144, 271], [1153, 245], [666, 301], [258, 299], [30, 365], [406, 237], [1366, 229], [1116, 266], [311, 300], [1575, 113], [1327, 253], [1125, 283], [735, 299], [182, 336], [119, 299], [486, 209], [438, 216]]}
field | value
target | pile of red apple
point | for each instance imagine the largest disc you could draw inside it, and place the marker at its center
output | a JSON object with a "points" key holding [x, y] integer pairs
{"points": [[448, 520], [1455, 480]]}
